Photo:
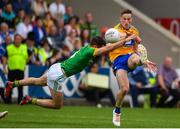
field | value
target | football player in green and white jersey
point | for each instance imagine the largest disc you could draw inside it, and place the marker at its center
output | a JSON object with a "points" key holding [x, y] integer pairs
{"points": [[58, 72]]}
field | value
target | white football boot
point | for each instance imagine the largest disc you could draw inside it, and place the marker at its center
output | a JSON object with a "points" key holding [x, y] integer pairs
{"points": [[116, 118]]}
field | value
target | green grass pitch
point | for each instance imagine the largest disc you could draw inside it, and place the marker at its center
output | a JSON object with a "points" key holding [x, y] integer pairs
{"points": [[76, 116]]}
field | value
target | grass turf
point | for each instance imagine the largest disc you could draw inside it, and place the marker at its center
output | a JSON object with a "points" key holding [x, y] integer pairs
{"points": [[69, 116]]}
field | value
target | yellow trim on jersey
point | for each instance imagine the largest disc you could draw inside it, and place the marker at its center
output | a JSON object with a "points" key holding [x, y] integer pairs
{"points": [[95, 50], [124, 49]]}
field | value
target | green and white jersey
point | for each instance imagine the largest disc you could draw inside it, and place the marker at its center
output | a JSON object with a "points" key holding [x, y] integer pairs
{"points": [[78, 61]]}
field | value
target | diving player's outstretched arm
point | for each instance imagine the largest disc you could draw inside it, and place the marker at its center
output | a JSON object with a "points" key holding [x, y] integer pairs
{"points": [[112, 46]]}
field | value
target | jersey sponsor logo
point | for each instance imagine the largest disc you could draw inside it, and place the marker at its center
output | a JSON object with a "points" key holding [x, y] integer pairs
{"points": [[129, 43]]}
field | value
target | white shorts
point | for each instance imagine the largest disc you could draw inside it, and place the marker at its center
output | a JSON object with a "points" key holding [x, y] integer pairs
{"points": [[55, 77]]}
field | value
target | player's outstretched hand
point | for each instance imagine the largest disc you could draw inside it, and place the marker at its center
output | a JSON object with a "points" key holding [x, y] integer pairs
{"points": [[151, 66]]}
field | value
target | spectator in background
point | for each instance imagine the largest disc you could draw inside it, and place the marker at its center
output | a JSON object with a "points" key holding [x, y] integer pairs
{"points": [[39, 7], [93, 29], [52, 31], [56, 57], [32, 50], [85, 37], [48, 21], [23, 28], [140, 84], [66, 53], [69, 13], [4, 31], [70, 40], [73, 24], [103, 61], [57, 9], [45, 52], [21, 5], [93, 94], [77, 45], [19, 17], [8, 15], [39, 31], [169, 84], [54, 37], [15, 58], [8, 40], [61, 31], [3, 3]]}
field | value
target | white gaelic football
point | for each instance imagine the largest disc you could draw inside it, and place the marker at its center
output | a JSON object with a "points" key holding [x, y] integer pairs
{"points": [[142, 51], [112, 35]]}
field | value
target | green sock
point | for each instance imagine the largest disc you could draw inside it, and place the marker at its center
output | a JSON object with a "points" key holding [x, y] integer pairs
{"points": [[15, 84]]}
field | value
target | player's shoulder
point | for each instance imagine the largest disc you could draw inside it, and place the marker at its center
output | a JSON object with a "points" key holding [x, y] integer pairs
{"points": [[87, 49], [117, 26], [91, 50]]}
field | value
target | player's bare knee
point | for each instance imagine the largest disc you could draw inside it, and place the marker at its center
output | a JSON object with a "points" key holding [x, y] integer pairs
{"points": [[125, 89], [58, 105], [43, 80], [134, 60]]}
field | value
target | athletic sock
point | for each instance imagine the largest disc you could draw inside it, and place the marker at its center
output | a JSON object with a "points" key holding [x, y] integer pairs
{"points": [[15, 84], [33, 100], [118, 110]]}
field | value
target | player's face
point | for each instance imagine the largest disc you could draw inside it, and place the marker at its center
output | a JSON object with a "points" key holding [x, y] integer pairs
{"points": [[125, 20]]}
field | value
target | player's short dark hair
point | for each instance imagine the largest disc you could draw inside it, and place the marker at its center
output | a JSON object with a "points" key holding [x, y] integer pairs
{"points": [[126, 11], [98, 42]]}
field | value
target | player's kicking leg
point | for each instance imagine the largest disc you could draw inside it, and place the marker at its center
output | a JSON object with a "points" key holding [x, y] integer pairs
{"points": [[3, 114]]}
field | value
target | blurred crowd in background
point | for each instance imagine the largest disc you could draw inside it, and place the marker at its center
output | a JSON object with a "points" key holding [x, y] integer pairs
{"points": [[34, 32], [52, 32], [49, 30]]}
